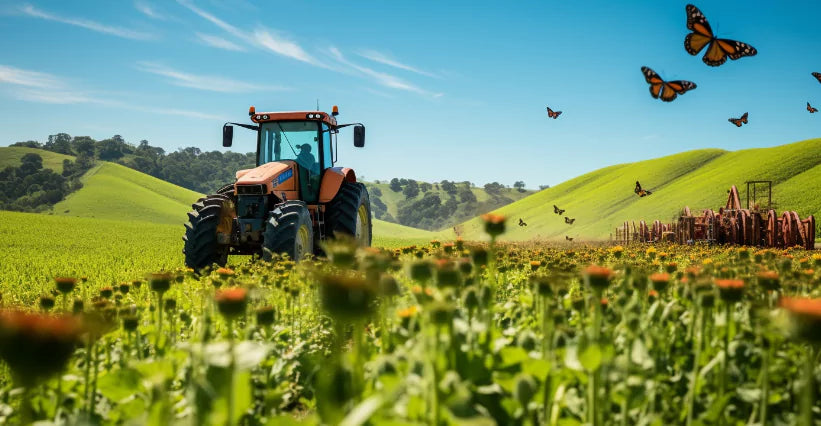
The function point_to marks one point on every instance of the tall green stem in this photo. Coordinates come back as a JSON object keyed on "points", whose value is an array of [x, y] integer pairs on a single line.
{"points": [[807, 400], [693, 394]]}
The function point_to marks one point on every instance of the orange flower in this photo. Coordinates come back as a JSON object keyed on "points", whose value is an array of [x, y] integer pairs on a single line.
{"points": [[231, 302], [597, 277], [494, 224], [225, 273], [730, 290], [807, 316]]}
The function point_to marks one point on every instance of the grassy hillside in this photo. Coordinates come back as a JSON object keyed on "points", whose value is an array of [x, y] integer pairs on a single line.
{"points": [[116, 192], [11, 155], [603, 199]]}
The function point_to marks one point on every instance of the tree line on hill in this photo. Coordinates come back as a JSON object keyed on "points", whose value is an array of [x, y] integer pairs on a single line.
{"points": [[425, 205], [31, 188], [439, 205], [192, 168]]}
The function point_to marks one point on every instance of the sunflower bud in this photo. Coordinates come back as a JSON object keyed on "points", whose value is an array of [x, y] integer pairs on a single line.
{"points": [[231, 302]]}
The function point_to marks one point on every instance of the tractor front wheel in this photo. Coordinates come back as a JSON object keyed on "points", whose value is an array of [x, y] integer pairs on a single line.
{"points": [[350, 213], [289, 230], [201, 248]]}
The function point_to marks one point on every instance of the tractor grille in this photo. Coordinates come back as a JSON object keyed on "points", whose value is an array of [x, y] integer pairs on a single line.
{"points": [[251, 189]]}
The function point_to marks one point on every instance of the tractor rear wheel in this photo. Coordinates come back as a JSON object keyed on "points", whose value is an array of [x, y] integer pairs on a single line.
{"points": [[201, 248], [288, 230], [350, 213]]}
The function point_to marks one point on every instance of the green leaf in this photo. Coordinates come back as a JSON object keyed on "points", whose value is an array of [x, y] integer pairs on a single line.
{"points": [[640, 356], [512, 355], [538, 368], [363, 412], [591, 357], [120, 384]]}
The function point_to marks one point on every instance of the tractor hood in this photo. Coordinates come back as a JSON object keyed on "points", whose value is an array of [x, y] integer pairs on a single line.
{"points": [[273, 175]]}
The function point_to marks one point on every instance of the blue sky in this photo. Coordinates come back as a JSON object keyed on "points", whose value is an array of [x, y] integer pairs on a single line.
{"points": [[447, 90]]}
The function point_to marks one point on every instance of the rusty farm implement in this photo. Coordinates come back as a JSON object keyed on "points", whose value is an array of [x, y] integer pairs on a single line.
{"points": [[731, 224]]}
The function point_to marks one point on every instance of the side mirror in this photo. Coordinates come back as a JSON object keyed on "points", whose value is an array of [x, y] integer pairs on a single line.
{"points": [[227, 135], [359, 136]]}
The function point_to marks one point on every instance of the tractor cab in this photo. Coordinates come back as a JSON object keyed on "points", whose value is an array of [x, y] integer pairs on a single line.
{"points": [[293, 199]]}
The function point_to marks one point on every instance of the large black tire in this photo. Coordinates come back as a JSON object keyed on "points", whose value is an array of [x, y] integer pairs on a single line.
{"points": [[349, 213], [201, 248], [288, 230]]}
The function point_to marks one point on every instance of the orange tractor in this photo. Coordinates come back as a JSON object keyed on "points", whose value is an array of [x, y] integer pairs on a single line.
{"points": [[294, 199]]}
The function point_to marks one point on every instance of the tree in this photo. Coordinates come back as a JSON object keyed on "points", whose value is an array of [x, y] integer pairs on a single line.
{"points": [[28, 144], [543, 187], [375, 190], [110, 149], [519, 185], [425, 187], [467, 196], [31, 163], [60, 143], [494, 188], [411, 189], [83, 146], [449, 187], [395, 185]]}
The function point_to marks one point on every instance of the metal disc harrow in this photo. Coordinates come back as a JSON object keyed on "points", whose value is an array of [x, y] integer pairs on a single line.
{"points": [[731, 224]]}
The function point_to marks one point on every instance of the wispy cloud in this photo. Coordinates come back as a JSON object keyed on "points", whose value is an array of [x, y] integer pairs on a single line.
{"points": [[39, 87], [87, 24], [262, 38], [387, 60], [219, 42], [21, 77], [284, 47], [203, 82], [383, 79], [148, 10]]}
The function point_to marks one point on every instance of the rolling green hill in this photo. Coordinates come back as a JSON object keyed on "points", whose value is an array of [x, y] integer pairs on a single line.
{"points": [[11, 155], [112, 191], [603, 199]]}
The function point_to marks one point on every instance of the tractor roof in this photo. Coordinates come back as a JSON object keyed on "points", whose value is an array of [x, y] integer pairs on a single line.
{"points": [[263, 117]]}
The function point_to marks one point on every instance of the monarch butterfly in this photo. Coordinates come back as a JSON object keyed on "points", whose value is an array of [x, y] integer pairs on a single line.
{"points": [[557, 210], [738, 121], [641, 192], [718, 49], [568, 238], [667, 90], [553, 114], [817, 75], [521, 222], [811, 109], [569, 220]]}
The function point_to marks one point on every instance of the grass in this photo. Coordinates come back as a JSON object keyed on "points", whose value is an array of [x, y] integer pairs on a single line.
{"points": [[115, 192], [10, 156], [38, 247], [603, 199]]}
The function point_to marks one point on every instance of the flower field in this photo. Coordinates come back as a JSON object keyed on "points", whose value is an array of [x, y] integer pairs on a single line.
{"points": [[437, 333]]}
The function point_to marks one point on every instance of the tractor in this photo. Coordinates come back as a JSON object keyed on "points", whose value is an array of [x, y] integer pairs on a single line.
{"points": [[293, 200]]}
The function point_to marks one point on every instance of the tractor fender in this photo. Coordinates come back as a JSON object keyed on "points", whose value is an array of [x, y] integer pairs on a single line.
{"points": [[332, 180]]}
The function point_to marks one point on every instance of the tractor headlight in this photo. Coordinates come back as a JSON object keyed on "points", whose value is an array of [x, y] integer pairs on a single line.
{"points": [[258, 117], [264, 117]]}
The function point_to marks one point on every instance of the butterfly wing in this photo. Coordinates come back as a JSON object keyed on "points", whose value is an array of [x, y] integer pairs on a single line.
{"points": [[555, 209], [701, 34], [557, 114], [722, 48], [655, 81], [736, 121], [673, 88], [811, 109], [561, 211], [744, 118], [817, 75]]}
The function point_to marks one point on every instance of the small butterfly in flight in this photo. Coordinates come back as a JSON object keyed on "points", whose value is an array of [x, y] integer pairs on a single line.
{"points": [[641, 192], [718, 49], [557, 210], [738, 121], [521, 222], [568, 238], [811, 109], [817, 75], [553, 114], [666, 90], [568, 220]]}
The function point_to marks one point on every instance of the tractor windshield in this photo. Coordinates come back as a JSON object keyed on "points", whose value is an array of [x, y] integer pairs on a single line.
{"points": [[290, 140]]}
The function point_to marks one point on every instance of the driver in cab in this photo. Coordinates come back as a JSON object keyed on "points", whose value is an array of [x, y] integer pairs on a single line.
{"points": [[306, 159]]}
